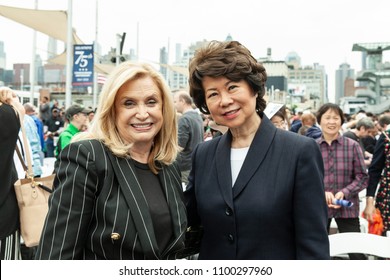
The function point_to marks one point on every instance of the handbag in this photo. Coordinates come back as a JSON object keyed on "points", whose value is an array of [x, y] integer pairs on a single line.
{"points": [[32, 195], [193, 240]]}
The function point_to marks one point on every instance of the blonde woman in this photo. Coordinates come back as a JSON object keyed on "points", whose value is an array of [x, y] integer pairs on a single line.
{"points": [[118, 191]]}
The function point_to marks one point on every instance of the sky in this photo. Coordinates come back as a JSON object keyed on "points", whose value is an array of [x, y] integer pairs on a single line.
{"points": [[318, 31]]}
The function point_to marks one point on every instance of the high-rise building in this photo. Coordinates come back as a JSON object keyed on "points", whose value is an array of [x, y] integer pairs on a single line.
{"points": [[277, 80], [51, 48], [293, 60], [177, 79], [39, 70], [3, 56], [21, 80], [163, 62], [308, 86], [342, 74], [178, 52]]}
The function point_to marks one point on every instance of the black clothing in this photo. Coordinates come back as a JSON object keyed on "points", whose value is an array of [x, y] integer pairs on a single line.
{"points": [[9, 211], [53, 124], [158, 207]]}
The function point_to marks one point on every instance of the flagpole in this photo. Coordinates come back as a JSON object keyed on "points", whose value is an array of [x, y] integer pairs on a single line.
{"points": [[69, 60], [95, 80], [33, 63], [137, 41]]}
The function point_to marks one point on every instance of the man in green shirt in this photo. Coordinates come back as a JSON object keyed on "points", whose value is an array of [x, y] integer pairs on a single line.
{"points": [[77, 118]]}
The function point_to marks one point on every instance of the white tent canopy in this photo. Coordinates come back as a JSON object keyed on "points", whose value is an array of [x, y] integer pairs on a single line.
{"points": [[54, 24], [51, 23]]}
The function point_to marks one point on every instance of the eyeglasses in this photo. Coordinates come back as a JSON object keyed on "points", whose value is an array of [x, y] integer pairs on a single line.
{"points": [[279, 124]]}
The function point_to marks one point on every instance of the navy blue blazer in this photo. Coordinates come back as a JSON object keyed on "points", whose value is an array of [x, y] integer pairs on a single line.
{"points": [[96, 213], [276, 208]]}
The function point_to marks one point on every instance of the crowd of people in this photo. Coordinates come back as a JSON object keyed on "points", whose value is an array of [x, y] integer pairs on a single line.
{"points": [[134, 175]]}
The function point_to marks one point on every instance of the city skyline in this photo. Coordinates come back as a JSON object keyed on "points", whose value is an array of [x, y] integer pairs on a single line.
{"points": [[321, 32]]}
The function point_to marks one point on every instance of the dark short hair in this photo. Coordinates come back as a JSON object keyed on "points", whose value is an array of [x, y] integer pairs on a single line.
{"points": [[329, 106], [384, 120], [75, 109], [226, 59]]}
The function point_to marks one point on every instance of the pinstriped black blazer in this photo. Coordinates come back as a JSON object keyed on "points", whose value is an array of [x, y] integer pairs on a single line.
{"points": [[89, 205]]}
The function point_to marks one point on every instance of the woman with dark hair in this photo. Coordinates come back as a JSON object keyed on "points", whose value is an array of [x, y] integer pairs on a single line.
{"points": [[257, 191], [279, 119], [345, 171]]}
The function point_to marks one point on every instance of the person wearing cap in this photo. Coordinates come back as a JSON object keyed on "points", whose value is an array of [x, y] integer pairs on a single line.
{"points": [[54, 126], [77, 117]]}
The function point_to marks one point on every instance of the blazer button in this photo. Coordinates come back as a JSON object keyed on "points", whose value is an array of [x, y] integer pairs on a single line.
{"points": [[228, 211], [231, 238], [115, 236]]}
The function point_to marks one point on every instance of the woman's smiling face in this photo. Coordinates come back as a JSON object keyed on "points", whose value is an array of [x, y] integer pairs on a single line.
{"points": [[138, 107], [230, 103]]}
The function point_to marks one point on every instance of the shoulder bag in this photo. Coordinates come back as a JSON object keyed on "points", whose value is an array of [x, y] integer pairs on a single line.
{"points": [[32, 195]]}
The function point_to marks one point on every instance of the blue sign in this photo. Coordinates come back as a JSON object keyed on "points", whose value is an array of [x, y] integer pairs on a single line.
{"points": [[83, 65]]}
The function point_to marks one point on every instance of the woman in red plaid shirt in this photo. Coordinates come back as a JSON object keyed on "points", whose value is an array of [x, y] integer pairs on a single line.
{"points": [[345, 171]]}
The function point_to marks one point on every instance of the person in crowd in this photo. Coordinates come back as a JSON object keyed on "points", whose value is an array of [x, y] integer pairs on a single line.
{"points": [[11, 115], [30, 110], [364, 127], [351, 120], [77, 118], [308, 118], [91, 114], [34, 149], [257, 191], [313, 132], [207, 134], [34, 143], [378, 189], [309, 126], [345, 170], [303, 129], [54, 124], [381, 125], [288, 117], [217, 129], [296, 122], [55, 105], [190, 131], [309, 121], [279, 119], [44, 109], [118, 192]]}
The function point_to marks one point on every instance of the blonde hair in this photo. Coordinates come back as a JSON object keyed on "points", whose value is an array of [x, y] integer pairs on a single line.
{"points": [[103, 127]]}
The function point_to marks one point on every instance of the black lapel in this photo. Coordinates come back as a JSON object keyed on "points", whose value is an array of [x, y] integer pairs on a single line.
{"points": [[171, 184], [224, 173], [125, 173], [256, 154]]}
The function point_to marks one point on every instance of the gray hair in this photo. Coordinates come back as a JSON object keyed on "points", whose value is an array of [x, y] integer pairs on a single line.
{"points": [[365, 122]]}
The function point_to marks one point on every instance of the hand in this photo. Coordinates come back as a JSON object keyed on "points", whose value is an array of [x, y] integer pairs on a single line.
{"points": [[9, 97], [329, 197], [369, 210], [6, 95]]}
